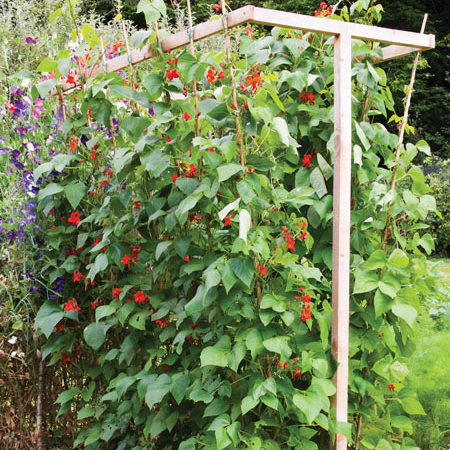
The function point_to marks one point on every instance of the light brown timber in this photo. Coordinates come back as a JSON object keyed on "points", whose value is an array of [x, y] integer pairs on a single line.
{"points": [[341, 225]]}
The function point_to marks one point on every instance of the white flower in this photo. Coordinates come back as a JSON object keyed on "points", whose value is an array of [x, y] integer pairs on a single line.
{"points": [[26, 82], [13, 354], [72, 45], [13, 340]]}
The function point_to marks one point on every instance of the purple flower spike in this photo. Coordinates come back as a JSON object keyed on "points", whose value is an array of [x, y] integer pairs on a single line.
{"points": [[15, 91], [30, 40]]}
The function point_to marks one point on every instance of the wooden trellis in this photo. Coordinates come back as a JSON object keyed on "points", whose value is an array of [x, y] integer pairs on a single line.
{"points": [[401, 43]]}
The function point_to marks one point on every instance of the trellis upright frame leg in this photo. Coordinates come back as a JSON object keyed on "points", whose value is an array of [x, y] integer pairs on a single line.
{"points": [[341, 225]]}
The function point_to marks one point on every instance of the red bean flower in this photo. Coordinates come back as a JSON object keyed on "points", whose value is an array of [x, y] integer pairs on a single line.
{"points": [[77, 276], [71, 305], [307, 161], [307, 97], [116, 292], [171, 74], [262, 270], [186, 116], [73, 144], [126, 260], [391, 387], [192, 169], [74, 218], [140, 297]]}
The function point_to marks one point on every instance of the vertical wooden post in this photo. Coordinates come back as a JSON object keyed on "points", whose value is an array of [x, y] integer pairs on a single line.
{"points": [[341, 224]]}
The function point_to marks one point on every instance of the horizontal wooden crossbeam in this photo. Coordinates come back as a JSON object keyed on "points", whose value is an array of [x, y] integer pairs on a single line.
{"points": [[334, 27], [404, 42]]}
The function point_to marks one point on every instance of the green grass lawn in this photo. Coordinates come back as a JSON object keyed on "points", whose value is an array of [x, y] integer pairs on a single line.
{"points": [[445, 269], [430, 369]]}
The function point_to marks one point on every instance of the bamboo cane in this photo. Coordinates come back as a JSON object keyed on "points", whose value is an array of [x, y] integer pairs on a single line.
{"points": [[194, 83], [402, 133], [233, 84]]}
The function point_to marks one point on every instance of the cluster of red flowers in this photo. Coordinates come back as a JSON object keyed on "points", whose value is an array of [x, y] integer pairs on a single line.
{"points": [[227, 220], [71, 305], [126, 260], [116, 292], [114, 49], [74, 218], [306, 308], [186, 116], [69, 358], [391, 387], [290, 240], [140, 298], [161, 323], [262, 270], [212, 74], [324, 10], [93, 152], [96, 303], [77, 276], [281, 365], [73, 144], [296, 374], [71, 77], [108, 172], [171, 61], [171, 74], [307, 161], [217, 7], [254, 81], [307, 97], [304, 234], [249, 31], [191, 172]]}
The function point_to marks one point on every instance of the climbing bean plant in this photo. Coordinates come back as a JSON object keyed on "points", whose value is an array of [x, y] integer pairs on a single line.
{"points": [[195, 303]]}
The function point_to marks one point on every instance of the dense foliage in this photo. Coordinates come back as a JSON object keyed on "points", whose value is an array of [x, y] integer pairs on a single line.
{"points": [[438, 178], [183, 278], [430, 112]]}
